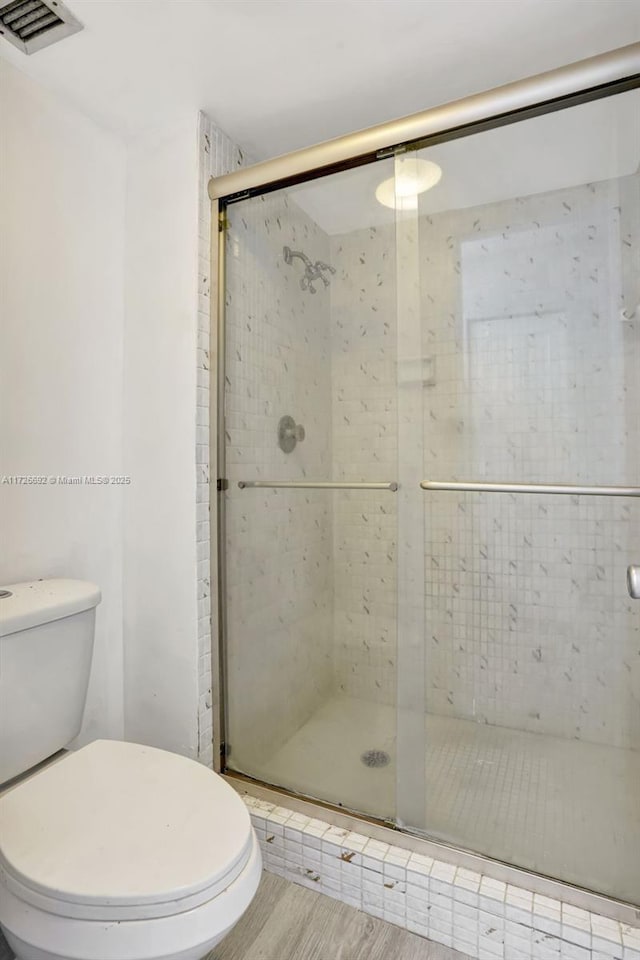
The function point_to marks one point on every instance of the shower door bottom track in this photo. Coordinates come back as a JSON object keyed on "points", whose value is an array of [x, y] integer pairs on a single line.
{"points": [[387, 832]]}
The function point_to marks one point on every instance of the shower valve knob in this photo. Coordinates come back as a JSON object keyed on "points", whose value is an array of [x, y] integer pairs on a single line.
{"points": [[633, 581], [289, 434]]}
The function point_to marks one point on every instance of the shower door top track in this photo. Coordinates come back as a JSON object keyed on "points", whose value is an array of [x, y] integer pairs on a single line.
{"points": [[575, 83]]}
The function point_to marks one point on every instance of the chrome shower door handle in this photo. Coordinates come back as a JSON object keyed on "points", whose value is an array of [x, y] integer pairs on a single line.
{"points": [[633, 581]]}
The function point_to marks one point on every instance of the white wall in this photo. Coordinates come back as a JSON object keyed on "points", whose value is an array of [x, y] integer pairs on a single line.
{"points": [[62, 196], [161, 650], [99, 267]]}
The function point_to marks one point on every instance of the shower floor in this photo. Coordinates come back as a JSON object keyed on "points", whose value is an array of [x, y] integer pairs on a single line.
{"points": [[563, 808]]}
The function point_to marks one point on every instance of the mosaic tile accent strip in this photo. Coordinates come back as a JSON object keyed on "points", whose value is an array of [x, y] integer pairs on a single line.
{"points": [[479, 916], [217, 155]]}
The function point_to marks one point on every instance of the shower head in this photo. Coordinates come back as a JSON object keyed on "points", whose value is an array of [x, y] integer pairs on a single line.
{"points": [[312, 271]]}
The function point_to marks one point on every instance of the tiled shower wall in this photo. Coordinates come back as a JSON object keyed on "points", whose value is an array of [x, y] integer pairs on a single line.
{"points": [[365, 448], [525, 303], [279, 562], [529, 336]]}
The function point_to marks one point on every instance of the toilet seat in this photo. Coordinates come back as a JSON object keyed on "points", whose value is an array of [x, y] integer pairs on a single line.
{"points": [[120, 831], [35, 934]]}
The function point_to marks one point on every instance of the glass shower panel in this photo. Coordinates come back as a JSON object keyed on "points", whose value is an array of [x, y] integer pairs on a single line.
{"points": [[532, 722], [311, 509], [530, 293]]}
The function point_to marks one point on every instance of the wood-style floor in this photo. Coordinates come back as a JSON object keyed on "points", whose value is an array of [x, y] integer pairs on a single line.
{"points": [[289, 922]]}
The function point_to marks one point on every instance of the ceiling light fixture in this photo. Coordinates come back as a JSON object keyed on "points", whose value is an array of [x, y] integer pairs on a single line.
{"points": [[412, 177]]}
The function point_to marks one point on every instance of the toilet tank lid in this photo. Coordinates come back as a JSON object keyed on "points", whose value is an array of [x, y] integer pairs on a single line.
{"points": [[42, 601]]}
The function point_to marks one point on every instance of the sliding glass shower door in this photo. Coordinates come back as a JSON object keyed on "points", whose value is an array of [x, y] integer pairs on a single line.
{"points": [[311, 509], [529, 294], [432, 428]]}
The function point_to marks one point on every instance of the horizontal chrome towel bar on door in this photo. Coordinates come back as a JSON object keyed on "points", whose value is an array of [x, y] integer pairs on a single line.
{"points": [[317, 485], [567, 488]]}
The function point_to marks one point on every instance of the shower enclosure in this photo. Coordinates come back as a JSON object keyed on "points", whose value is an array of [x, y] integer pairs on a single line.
{"points": [[429, 463]]}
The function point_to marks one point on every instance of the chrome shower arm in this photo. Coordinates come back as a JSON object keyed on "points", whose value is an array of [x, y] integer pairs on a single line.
{"points": [[289, 254]]}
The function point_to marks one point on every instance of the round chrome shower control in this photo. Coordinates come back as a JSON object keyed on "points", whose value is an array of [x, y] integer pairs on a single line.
{"points": [[633, 581], [289, 434]]}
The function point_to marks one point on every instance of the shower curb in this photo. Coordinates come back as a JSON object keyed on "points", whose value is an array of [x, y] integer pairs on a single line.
{"points": [[475, 914]]}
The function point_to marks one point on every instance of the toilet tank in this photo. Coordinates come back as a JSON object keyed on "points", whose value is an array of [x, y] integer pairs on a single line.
{"points": [[46, 644]]}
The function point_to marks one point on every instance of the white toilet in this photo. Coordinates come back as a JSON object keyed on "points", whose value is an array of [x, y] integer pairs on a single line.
{"points": [[116, 851]]}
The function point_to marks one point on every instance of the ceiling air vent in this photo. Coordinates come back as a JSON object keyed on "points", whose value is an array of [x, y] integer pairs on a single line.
{"points": [[31, 25]]}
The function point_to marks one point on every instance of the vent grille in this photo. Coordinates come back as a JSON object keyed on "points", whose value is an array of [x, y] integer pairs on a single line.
{"points": [[33, 24], [27, 18]]}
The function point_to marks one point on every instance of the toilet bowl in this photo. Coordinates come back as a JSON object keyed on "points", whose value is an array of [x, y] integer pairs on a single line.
{"points": [[117, 851], [123, 852]]}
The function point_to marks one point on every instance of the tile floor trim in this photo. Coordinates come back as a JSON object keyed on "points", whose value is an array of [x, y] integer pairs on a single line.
{"points": [[496, 869], [453, 905]]}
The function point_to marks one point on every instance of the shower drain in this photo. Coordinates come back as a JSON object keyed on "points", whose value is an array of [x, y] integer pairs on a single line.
{"points": [[375, 758]]}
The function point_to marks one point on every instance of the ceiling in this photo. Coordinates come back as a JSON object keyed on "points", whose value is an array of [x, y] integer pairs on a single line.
{"points": [[282, 74]]}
